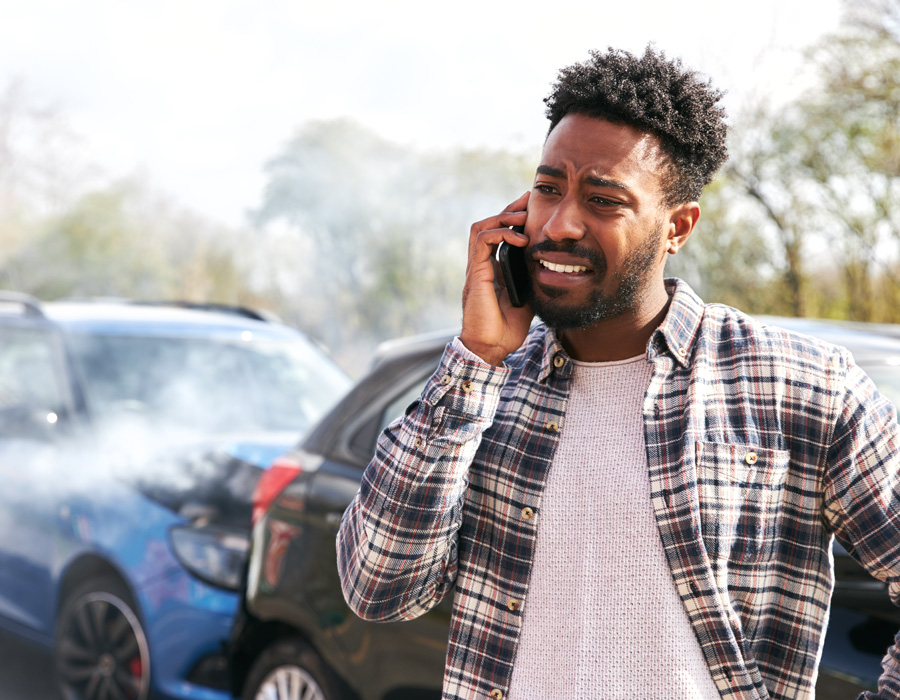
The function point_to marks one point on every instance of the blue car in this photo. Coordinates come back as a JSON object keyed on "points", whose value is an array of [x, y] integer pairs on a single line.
{"points": [[132, 439]]}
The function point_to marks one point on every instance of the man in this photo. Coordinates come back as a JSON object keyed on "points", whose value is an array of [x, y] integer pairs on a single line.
{"points": [[635, 499]]}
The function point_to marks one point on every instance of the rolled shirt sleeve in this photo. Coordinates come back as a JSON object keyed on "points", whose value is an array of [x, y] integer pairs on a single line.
{"points": [[397, 542]]}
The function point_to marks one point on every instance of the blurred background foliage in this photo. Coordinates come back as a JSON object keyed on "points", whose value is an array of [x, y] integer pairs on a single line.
{"points": [[357, 239]]}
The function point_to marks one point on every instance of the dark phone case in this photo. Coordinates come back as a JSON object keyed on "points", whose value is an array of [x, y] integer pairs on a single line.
{"points": [[515, 272]]}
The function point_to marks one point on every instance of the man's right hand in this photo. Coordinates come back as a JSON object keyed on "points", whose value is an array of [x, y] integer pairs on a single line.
{"points": [[492, 327]]}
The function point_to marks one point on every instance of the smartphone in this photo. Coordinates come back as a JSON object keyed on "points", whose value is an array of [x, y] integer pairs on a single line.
{"points": [[515, 271]]}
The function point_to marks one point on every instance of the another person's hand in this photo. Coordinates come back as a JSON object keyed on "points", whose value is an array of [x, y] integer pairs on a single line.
{"points": [[492, 327]]}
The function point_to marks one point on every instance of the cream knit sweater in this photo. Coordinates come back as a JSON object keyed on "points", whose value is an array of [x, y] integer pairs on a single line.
{"points": [[602, 618]]}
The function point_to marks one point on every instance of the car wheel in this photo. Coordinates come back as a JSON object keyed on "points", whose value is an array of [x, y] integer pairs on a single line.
{"points": [[101, 649], [289, 670]]}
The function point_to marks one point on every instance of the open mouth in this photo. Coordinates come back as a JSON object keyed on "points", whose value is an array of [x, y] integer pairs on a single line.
{"points": [[566, 269]]}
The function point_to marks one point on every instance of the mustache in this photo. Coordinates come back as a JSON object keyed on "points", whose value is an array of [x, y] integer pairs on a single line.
{"points": [[596, 259]]}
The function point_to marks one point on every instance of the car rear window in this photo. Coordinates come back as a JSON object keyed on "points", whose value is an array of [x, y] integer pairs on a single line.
{"points": [[887, 379], [208, 385]]}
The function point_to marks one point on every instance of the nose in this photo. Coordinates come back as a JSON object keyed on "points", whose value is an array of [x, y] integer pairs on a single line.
{"points": [[565, 222]]}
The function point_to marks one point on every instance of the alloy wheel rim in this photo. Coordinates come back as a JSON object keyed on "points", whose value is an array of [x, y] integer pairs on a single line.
{"points": [[102, 651], [289, 683]]}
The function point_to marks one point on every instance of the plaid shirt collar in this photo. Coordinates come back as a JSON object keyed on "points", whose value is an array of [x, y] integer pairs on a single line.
{"points": [[678, 332], [676, 335]]}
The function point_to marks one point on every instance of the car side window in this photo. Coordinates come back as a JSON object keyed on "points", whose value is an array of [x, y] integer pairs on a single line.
{"points": [[387, 407], [29, 375], [396, 408]]}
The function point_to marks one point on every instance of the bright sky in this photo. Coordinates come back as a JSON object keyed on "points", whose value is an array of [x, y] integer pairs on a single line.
{"points": [[198, 94]]}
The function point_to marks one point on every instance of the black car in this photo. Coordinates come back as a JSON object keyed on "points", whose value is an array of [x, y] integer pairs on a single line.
{"points": [[296, 637]]}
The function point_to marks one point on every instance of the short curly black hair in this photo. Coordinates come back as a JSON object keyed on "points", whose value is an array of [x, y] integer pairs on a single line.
{"points": [[653, 94]]}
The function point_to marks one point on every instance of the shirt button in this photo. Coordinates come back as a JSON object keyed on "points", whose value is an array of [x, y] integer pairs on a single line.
{"points": [[513, 604], [751, 458], [682, 352], [552, 426], [467, 387], [418, 442], [527, 514], [559, 361], [496, 694], [445, 380]]}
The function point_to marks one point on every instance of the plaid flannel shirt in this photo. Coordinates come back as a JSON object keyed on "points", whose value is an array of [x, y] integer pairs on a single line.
{"points": [[761, 445]]}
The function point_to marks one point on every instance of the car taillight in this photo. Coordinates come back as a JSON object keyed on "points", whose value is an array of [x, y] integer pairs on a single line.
{"points": [[272, 482]]}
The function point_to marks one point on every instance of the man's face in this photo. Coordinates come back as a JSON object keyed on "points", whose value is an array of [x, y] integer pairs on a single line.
{"points": [[595, 222]]}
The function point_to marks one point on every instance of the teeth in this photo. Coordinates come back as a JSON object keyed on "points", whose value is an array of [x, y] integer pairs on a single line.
{"points": [[563, 268]]}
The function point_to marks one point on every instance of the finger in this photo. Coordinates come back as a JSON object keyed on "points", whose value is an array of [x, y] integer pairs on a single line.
{"points": [[484, 243], [520, 203], [503, 220], [513, 215], [499, 281], [500, 228]]}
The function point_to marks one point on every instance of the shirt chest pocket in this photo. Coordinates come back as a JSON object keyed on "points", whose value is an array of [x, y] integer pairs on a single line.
{"points": [[742, 491]]}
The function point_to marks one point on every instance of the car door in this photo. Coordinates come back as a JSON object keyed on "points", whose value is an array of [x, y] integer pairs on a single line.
{"points": [[36, 413], [400, 659]]}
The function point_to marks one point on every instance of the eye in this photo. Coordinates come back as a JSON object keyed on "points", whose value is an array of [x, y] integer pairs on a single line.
{"points": [[545, 189], [604, 202]]}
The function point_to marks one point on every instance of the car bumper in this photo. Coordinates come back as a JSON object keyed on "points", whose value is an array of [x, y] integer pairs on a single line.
{"points": [[189, 623]]}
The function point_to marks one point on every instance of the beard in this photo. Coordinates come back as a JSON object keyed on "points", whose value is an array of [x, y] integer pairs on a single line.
{"points": [[631, 281]]}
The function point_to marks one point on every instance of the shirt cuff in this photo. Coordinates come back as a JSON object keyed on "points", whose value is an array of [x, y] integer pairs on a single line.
{"points": [[465, 384], [464, 352]]}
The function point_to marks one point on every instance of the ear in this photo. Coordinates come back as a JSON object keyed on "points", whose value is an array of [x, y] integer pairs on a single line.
{"points": [[681, 220]]}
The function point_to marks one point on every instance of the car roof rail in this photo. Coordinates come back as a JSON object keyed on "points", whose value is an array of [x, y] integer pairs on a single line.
{"points": [[423, 343], [30, 305], [244, 311]]}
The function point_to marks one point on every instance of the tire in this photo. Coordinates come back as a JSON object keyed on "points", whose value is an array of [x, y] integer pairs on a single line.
{"points": [[289, 670], [100, 649]]}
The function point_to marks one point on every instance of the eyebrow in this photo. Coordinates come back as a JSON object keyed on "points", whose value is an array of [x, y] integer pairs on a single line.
{"points": [[550, 171]]}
